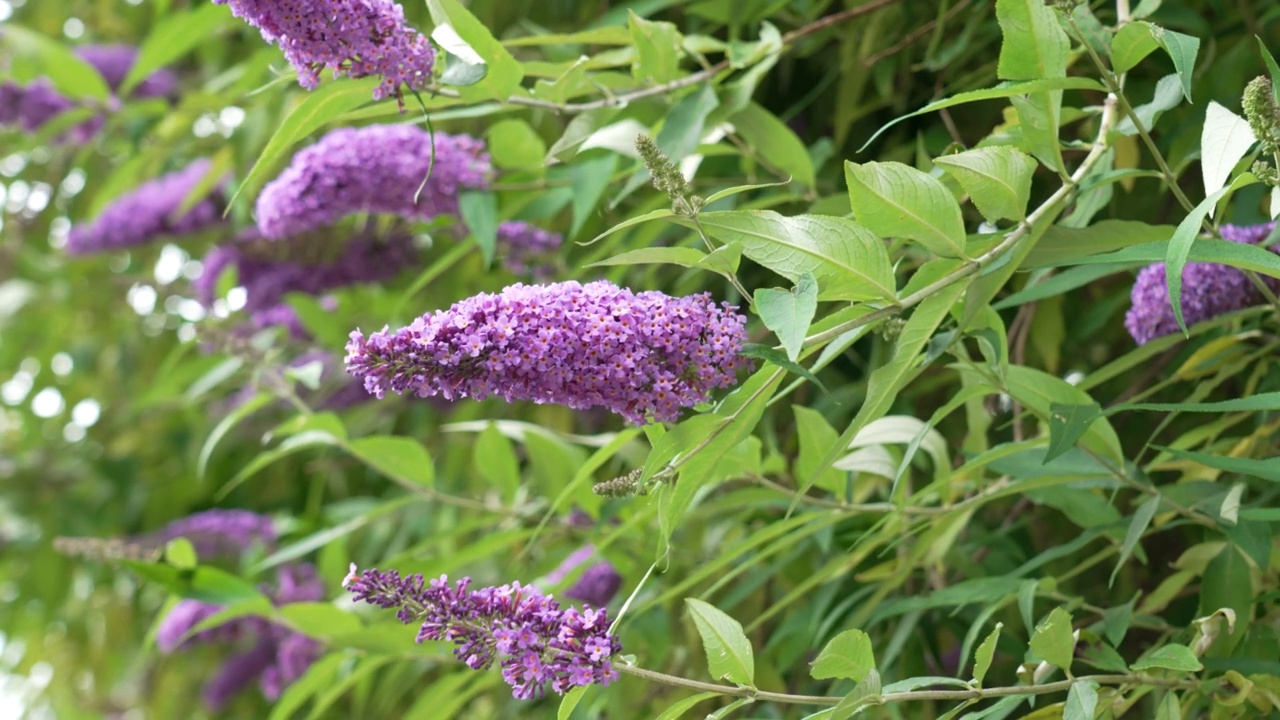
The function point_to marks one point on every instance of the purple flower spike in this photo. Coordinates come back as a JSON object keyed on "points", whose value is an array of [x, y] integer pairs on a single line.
{"points": [[1208, 290], [375, 169], [114, 62], [222, 532], [596, 586], [638, 354], [356, 38], [279, 656], [523, 631], [147, 213], [529, 249]]}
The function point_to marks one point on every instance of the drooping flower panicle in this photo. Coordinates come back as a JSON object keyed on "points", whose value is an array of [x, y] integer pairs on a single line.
{"points": [[31, 106], [148, 212], [637, 354], [535, 642], [596, 586], [375, 169], [528, 249], [1208, 290], [277, 657], [222, 532], [356, 38]]}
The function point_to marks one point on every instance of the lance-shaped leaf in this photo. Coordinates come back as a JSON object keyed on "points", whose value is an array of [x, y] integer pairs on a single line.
{"points": [[848, 261], [896, 200], [729, 654], [997, 179]]}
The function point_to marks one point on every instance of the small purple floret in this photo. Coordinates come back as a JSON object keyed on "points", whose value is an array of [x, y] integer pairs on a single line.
{"points": [[638, 354], [526, 633]]}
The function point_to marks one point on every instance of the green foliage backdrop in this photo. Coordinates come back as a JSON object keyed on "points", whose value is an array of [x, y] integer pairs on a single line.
{"points": [[951, 486]]}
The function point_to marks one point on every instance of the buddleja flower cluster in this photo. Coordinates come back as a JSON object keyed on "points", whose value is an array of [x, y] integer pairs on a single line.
{"points": [[375, 169], [312, 263], [583, 346], [356, 38], [535, 642], [529, 249], [596, 586], [148, 212], [221, 532], [275, 656], [30, 107], [1208, 290]]}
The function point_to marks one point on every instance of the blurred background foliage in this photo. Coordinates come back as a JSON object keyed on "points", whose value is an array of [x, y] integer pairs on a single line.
{"points": [[112, 377]]}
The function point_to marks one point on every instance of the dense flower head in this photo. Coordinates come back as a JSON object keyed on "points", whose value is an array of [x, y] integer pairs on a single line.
{"points": [[31, 106], [375, 169], [311, 263], [576, 345], [278, 655], [596, 586], [357, 38], [526, 633], [1208, 290], [222, 532], [528, 249], [148, 212]]}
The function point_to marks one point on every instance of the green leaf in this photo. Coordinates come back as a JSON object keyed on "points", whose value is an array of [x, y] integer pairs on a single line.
{"points": [[768, 354], [1237, 255], [788, 313], [1104, 657], [35, 55], [1059, 245], [177, 34], [463, 66], [1225, 139], [203, 583], [1033, 45], [1067, 424], [729, 654], [1137, 526], [570, 701], [724, 260], [887, 380], [225, 425], [1182, 50], [505, 73], [996, 178], [316, 109], [1166, 97], [1002, 90], [1227, 583], [1132, 43], [319, 619], [1180, 246], [1169, 657], [514, 145], [479, 210], [678, 710], [682, 256], [1082, 701], [319, 675], [577, 132], [848, 656], [1115, 621], [865, 694], [290, 445], [1054, 639], [495, 459], [985, 653], [181, 554], [658, 214], [399, 457], [775, 143], [589, 179], [657, 47], [1273, 69], [849, 262], [1248, 467], [896, 200]]}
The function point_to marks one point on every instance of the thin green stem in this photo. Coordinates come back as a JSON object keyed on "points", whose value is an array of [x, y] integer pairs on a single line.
{"points": [[973, 694]]}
